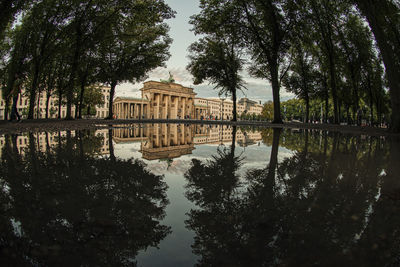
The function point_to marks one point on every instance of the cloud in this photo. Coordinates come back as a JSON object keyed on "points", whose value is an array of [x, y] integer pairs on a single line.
{"points": [[257, 89]]}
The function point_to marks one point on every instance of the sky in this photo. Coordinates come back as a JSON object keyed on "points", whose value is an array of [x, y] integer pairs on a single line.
{"points": [[257, 89]]}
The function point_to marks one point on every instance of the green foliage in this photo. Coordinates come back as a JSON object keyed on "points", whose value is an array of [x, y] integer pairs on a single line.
{"points": [[218, 57], [92, 97], [63, 46]]}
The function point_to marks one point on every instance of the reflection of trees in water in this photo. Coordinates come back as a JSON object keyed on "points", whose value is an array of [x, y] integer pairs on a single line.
{"points": [[214, 181], [69, 207], [327, 206]]}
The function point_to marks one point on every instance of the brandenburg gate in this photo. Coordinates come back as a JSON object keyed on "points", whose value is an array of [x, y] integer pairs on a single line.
{"points": [[160, 100]]}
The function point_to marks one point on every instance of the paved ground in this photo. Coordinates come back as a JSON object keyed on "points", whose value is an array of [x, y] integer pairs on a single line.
{"points": [[59, 125]]}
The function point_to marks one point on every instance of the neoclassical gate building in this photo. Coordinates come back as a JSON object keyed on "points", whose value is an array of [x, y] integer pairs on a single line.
{"points": [[160, 100]]}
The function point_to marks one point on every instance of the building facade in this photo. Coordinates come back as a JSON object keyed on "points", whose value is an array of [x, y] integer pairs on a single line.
{"points": [[160, 100], [102, 110], [215, 109], [41, 102]]}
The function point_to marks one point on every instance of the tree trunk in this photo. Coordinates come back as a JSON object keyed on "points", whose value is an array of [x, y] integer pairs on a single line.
{"points": [[47, 144], [348, 113], [6, 108], [307, 108], [76, 109], [47, 104], [38, 107], [111, 145], [233, 145], [74, 68], [13, 115], [375, 14], [356, 97], [269, 182], [332, 71], [110, 105], [59, 102], [275, 93], [32, 93], [234, 112], [83, 83], [326, 106]]}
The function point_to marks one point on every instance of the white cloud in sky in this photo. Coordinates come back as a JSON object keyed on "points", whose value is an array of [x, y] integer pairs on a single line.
{"points": [[257, 89]]}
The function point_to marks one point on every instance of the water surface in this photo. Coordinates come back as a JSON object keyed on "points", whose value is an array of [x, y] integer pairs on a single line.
{"points": [[184, 195]]}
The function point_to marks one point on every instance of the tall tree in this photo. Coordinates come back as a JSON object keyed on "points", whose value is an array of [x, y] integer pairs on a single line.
{"points": [[268, 26], [323, 15], [42, 26], [16, 68], [87, 19], [134, 44], [218, 57], [384, 20], [216, 61], [356, 56], [302, 76]]}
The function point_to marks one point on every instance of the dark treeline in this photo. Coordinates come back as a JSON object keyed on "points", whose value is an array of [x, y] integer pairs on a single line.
{"points": [[333, 202], [63, 203], [341, 54], [62, 47]]}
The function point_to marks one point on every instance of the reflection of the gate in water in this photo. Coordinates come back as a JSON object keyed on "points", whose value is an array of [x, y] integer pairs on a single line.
{"points": [[159, 140], [168, 141], [135, 133], [174, 140]]}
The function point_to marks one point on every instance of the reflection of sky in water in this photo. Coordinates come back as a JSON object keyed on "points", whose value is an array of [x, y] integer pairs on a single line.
{"points": [[175, 249], [254, 156]]}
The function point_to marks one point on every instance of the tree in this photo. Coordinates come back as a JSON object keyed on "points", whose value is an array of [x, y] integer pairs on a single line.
{"points": [[301, 78], [42, 28], [216, 61], [92, 97], [135, 43], [218, 57], [384, 20], [8, 10], [87, 20], [15, 71], [267, 29], [268, 111], [323, 15]]}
